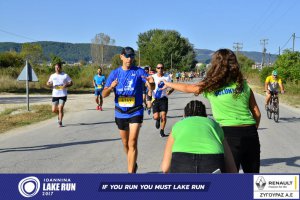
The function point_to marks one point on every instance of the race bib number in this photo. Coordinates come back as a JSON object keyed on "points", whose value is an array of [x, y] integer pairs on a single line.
{"points": [[59, 87], [99, 86], [126, 101]]}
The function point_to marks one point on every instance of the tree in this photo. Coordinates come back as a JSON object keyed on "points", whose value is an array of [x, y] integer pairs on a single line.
{"points": [[10, 59], [98, 47], [288, 65], [116, 61], [33, 52], [244, 62], [56, 60], [158, 45]]}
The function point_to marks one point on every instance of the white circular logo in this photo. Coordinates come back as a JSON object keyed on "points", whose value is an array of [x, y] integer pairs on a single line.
{"points": [[30, 186]]}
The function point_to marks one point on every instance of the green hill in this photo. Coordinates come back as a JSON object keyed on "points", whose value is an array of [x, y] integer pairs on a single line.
{"points": [[69, 52], [204, 55]]}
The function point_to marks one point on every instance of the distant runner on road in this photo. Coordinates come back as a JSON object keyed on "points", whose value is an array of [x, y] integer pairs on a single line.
{"points": [[99, 82], [160, 104], [127, 84], [59, 81]]}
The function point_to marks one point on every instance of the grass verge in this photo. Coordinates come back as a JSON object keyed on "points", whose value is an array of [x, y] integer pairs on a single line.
{"points": [[16, 117]]}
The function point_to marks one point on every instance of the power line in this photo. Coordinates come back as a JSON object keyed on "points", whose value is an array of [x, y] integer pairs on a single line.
{"points": [[271, 25], [17, 35], [266, 15], [281, 47], [287, 42]]}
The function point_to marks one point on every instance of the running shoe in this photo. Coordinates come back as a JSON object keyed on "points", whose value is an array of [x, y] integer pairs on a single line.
{"points": [[162, 133], [100, 108], [60, 124], [157, 124]]}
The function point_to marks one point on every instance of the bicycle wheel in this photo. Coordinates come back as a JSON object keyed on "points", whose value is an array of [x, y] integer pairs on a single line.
{"points": [[269, 113], [276, 114]]}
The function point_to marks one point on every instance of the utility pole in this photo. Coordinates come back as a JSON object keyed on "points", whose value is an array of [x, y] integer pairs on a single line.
{"points": [[237, 46], [264, 42], [294, 37], [102, 55], [269, 58], [139, 58]]}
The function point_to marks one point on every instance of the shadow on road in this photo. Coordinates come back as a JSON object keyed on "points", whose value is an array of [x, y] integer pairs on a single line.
{"points": [[88, 124], [178, 116], [289, 119], [104, 109], [22, 99], [184, 97], [261, 129], [288, 161], [53, 146]]}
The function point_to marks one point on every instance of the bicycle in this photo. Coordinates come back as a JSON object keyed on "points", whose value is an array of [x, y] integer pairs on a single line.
{"points": [[273, 107]]}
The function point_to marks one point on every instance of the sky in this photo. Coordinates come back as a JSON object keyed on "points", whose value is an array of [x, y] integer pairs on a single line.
{"points": [[210, 24]]}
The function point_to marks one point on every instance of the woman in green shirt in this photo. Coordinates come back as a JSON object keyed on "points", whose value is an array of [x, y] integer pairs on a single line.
{"points": [[196, 144], [233, 107]]}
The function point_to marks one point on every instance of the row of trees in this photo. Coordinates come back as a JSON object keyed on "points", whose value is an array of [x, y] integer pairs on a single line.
{"points": [[154, 46], [166, 46], [31, 52], [287, 65]]}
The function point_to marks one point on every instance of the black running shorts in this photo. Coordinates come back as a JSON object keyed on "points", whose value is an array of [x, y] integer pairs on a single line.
{"points": [[123, 123], [160, 105]]}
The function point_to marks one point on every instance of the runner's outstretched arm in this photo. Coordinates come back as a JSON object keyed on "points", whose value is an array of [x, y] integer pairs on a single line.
{"points": [[187, 88]]}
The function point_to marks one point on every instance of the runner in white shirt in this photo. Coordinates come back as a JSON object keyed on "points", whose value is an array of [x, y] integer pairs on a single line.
{"points": [[59, 81], [160, 104]]}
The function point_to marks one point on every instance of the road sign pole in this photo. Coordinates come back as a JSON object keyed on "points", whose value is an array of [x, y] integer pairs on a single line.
{"points": [[27, 86]]}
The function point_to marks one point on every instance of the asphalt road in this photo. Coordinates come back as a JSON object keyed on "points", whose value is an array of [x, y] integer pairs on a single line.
{"points": [[90, 142]]}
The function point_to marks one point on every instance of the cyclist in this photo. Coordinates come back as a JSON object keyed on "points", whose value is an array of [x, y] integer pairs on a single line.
{"points": [[271, 86], [99, 82]]}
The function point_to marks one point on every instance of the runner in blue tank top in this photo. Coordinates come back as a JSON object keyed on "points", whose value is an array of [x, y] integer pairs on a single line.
{"points": [[99, 82], [127, 84]]}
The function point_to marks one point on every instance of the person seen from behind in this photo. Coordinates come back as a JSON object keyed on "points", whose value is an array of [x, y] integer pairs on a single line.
{"points": [[196, 144], [233, 106]]}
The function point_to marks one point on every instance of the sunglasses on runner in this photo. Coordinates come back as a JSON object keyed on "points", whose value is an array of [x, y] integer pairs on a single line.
{"points": [[129, 55]]}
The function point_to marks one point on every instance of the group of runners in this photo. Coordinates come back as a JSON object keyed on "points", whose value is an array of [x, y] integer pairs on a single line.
{"points": [[230, 142]]}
